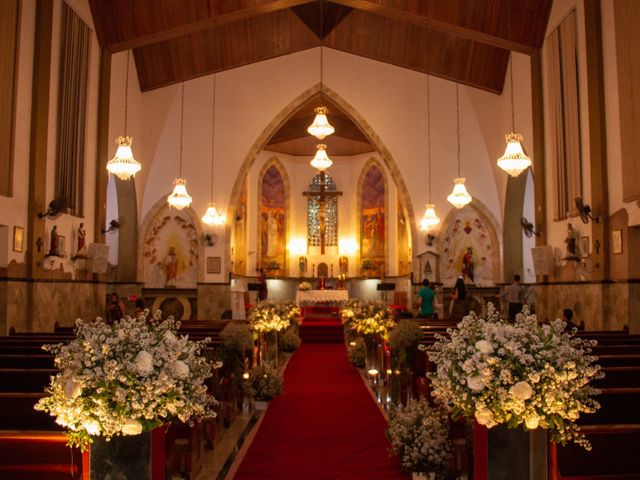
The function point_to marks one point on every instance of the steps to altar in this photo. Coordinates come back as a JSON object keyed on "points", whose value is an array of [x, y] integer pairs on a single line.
{"points": [[321, 324]]}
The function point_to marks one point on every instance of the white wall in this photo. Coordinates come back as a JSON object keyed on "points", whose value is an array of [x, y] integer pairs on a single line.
{"points": [[392, 101]]}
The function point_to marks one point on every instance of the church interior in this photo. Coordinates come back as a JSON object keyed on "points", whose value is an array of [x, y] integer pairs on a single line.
{"points": [[201, 157]]}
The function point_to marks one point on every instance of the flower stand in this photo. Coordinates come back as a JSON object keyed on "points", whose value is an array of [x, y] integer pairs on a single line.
{"points": [[123, 457], [501, 453]]}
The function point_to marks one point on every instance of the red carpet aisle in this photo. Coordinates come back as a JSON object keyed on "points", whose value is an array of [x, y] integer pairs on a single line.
{"points": [[324, 426]]}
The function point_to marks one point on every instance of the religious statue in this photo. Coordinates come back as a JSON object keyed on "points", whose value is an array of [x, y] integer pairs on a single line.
{"points": [[467, 265], [53, 245], [82, 234], [302, 264], [343, 264], [572, 242], [171, 267]]}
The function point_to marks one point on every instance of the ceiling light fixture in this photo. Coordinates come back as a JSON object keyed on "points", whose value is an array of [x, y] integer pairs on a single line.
{"points": [[179, 198], [321, 161], [211, 217], [514, 160], [321, 128], [429, 218], [459, 197]]}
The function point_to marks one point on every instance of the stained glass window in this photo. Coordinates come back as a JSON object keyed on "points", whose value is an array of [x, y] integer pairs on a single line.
{"points": [[313, 214]]}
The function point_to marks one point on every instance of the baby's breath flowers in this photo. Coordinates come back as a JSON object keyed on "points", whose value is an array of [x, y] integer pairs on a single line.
{"points": [[523, 373]]}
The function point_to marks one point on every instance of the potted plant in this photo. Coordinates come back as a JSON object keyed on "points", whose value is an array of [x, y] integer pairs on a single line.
{"points": [[263, 385], [118, 382], [419, 436]]}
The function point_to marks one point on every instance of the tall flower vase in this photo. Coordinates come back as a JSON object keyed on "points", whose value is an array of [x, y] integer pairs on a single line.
{"points": [[501, 453], [123, 457], [372, 360]]}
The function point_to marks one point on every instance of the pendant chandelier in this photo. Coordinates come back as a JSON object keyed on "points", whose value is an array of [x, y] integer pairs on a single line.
{"points": [[321, 128], [123, 165], [211, 217], [514, 161], [429, 218], [321, 161], [179, 198], [459, 197]]}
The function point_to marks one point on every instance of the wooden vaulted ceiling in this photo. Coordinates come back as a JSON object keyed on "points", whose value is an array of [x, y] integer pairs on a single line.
{"points": [[467, 41]]}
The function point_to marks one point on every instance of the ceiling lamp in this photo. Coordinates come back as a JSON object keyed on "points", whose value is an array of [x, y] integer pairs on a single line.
{"points": [[430, 218], [211, 217], [123, 165], [459, 197], [514, 161], [179, 198], [320, 128], [321, 161]]}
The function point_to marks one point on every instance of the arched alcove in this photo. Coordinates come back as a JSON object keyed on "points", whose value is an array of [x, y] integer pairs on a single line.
{"points": [[285, 114]]}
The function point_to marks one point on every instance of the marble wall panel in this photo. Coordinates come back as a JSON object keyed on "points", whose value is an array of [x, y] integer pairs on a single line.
{"points": [[213, 300]]}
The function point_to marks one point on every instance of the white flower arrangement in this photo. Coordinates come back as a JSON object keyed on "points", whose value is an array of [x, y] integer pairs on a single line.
{"points": [[125, 378], [523, 373], [304, 286], [268, 316], [419, 436], [368, 318]]}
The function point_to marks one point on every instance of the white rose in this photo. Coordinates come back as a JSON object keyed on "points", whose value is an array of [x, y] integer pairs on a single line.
{"points": [[484, 346], [484, 417], [521, 390], [532, 422], [144, 363], [131, 427], [72, 389], [180, 369], [474, 382], [91, 426]]}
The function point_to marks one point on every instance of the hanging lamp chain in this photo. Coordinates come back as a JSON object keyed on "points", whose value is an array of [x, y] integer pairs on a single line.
{"points": [[213, 134], [513, 111], [181, 128], [321, 49], [429, 134], [458, 117]]}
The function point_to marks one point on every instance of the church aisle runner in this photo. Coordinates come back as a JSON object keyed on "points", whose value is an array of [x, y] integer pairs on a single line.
{"points": [[325, 425]]}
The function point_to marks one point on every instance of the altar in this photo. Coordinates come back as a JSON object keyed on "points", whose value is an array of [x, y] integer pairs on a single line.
{"points": [[321, 296]]}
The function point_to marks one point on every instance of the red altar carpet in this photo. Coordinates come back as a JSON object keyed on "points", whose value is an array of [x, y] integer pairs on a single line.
{"points": [[325, 425]]}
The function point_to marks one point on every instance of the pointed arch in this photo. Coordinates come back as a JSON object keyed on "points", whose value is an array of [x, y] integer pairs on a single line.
{"points": [[273, 216], [373, 217], [282, 117], [157, 213], [472, 226]]}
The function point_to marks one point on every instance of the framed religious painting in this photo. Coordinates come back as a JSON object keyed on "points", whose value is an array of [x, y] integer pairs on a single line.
{"points": [[18, 239], [213, 264], [584, 247], [616, 241]]}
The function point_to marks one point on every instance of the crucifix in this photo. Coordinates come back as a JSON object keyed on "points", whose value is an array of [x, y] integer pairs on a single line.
{"points": [[323, 195]]}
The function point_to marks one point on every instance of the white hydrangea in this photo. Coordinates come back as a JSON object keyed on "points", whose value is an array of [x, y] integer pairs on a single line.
{"points": [[521, 373], [126, 378]]}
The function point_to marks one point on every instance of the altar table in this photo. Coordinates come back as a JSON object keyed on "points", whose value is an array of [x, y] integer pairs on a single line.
{"points": [[319, 296]]}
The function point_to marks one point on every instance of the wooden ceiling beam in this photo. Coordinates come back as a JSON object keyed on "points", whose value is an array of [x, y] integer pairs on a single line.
{"points": [[527, 18], [147, 33]]}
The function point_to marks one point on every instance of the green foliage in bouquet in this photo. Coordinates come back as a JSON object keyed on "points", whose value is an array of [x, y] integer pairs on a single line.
{"points": [[404, 340], [290, 340], [358, 353]]}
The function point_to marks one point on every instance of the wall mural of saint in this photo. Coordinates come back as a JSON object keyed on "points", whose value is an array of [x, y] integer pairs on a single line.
{"points": [[273, 223], [170, 251], [372, 223]]}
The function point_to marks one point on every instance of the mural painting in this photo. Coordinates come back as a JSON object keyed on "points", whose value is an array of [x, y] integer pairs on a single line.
{"points": [[239, 245], [272, 223], [170, 251], [467, 249], [372, 223], [404, 255]]}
